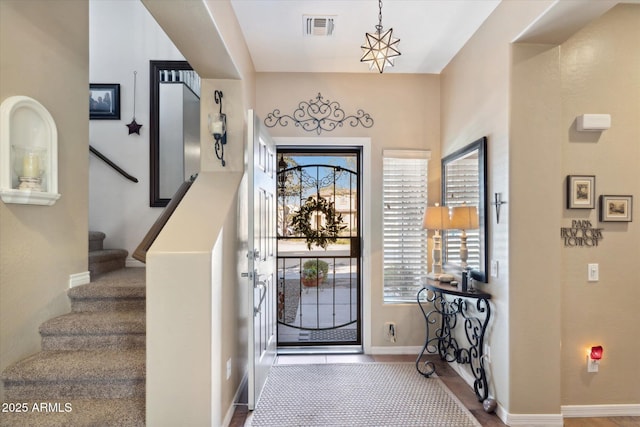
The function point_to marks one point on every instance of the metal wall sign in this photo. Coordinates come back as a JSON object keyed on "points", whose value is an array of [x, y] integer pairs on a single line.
{"points": [[581, 233], [319, 115]]}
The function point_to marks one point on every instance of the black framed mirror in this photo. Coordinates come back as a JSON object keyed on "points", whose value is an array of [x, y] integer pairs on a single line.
{"points": [[464, 182], [174, 128]]}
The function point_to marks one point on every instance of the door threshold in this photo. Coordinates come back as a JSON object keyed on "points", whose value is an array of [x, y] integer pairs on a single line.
{"points": [[333, 349]]}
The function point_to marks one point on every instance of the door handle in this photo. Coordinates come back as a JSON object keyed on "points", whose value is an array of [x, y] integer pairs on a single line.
{"points": [[263, 294]]}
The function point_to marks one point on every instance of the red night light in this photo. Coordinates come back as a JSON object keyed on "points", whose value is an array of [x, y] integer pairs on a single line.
{"points": [[596, 353]]}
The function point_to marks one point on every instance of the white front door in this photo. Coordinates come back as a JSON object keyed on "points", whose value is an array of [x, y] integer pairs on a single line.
{"points": [[262, 255]]}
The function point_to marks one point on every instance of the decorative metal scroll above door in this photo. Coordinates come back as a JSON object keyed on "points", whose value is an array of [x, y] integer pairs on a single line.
{"points": [[319, 115]]}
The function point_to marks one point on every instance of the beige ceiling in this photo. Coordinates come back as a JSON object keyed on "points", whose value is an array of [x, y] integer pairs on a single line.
{"points": [[431, 32]]}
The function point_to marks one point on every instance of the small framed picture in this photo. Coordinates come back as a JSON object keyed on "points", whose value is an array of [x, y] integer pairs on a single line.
{"points": [[104, 101], [581, 190], [616, 208]]}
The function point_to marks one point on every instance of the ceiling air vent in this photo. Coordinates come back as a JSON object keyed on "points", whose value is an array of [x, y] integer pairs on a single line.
{"points": [[318, 25]]}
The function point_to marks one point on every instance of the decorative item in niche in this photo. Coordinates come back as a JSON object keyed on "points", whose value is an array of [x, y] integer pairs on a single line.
{"points": [[28, 153], [318, 115], [104, 101], [133, 126], [581, 191], [616, 208], [318, 222], [581, 233]]}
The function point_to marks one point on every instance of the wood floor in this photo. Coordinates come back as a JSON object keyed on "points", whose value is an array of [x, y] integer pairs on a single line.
{"points": [[451, 379]]}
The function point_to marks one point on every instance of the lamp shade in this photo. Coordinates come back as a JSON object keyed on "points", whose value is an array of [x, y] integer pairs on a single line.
{"points": [[464, 218], [436, 218]]}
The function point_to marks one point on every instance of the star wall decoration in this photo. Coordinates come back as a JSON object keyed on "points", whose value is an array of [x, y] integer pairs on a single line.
{"points": [[380, 49], [134, 127]]}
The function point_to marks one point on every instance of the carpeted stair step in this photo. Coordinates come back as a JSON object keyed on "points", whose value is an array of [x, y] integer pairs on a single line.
{"points": [[61, 375], [106, 260], [95, 330], [118, 290], [96, 240], [79, 413]]}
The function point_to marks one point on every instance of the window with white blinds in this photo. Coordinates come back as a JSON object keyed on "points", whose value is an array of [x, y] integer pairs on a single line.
{"points": [[404, 240], [463, 179]]}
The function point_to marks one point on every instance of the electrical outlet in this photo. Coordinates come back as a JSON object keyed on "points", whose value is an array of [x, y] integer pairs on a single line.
{"points": [[229, 368], [593, 273], [487, 353], [592, 365], [390, 331]]}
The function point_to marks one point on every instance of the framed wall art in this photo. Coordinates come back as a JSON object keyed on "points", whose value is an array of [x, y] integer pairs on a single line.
{"points": [[104, 101], [616, 208], [581, 190]]}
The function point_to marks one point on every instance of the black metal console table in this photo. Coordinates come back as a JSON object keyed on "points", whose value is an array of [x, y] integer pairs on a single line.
{"points": [[445, 313]]}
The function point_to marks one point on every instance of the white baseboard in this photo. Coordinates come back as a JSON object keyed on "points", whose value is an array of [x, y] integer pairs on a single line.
{"points": [[400, 350], [236, 399], [131, 262], [590, 411], [534, 420], [78, 279]]}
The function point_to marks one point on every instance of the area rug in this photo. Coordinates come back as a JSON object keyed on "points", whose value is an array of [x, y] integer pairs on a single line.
{"points": [[367, 395]]}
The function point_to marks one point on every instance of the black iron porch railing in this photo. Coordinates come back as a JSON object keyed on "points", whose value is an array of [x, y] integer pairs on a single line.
{"points": [[318, 295]]}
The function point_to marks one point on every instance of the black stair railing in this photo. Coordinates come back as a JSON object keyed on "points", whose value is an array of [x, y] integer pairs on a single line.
{"points": [[113, 165]]}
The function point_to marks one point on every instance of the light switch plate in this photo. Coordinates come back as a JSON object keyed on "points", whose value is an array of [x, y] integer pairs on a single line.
{"points": [[494, 268], [593, 273]]}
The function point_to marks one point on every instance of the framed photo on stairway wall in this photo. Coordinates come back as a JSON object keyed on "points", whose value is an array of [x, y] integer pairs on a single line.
{"points": [[104, 101]]}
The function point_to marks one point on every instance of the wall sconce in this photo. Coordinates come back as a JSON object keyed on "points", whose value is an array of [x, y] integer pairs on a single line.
{"points": [[593, 358], [498, 202], [218, 127], [437, 218]]}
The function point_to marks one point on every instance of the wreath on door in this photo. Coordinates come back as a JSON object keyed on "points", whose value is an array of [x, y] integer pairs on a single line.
{"points": [[322, 234]]}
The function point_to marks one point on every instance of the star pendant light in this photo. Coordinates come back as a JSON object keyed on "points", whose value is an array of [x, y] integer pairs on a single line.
{"points": [[380, 47]]}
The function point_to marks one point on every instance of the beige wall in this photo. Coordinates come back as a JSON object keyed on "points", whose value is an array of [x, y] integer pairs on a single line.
{"points": [[405, 110], [192, 323], [534, 253], [475, 103], [525, 98], [44, 54], [600, 68]]}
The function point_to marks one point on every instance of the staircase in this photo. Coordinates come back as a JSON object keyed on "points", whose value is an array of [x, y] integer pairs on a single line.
{"points": [[103, 260], [91, 370]]}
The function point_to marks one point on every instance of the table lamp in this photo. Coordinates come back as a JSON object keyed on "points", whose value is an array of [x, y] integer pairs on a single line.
{"points": [[436, 218], [464, 218]]}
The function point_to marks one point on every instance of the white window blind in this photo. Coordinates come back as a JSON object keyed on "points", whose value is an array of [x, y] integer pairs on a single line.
{"points": [[462, 180], [404, 239]]}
